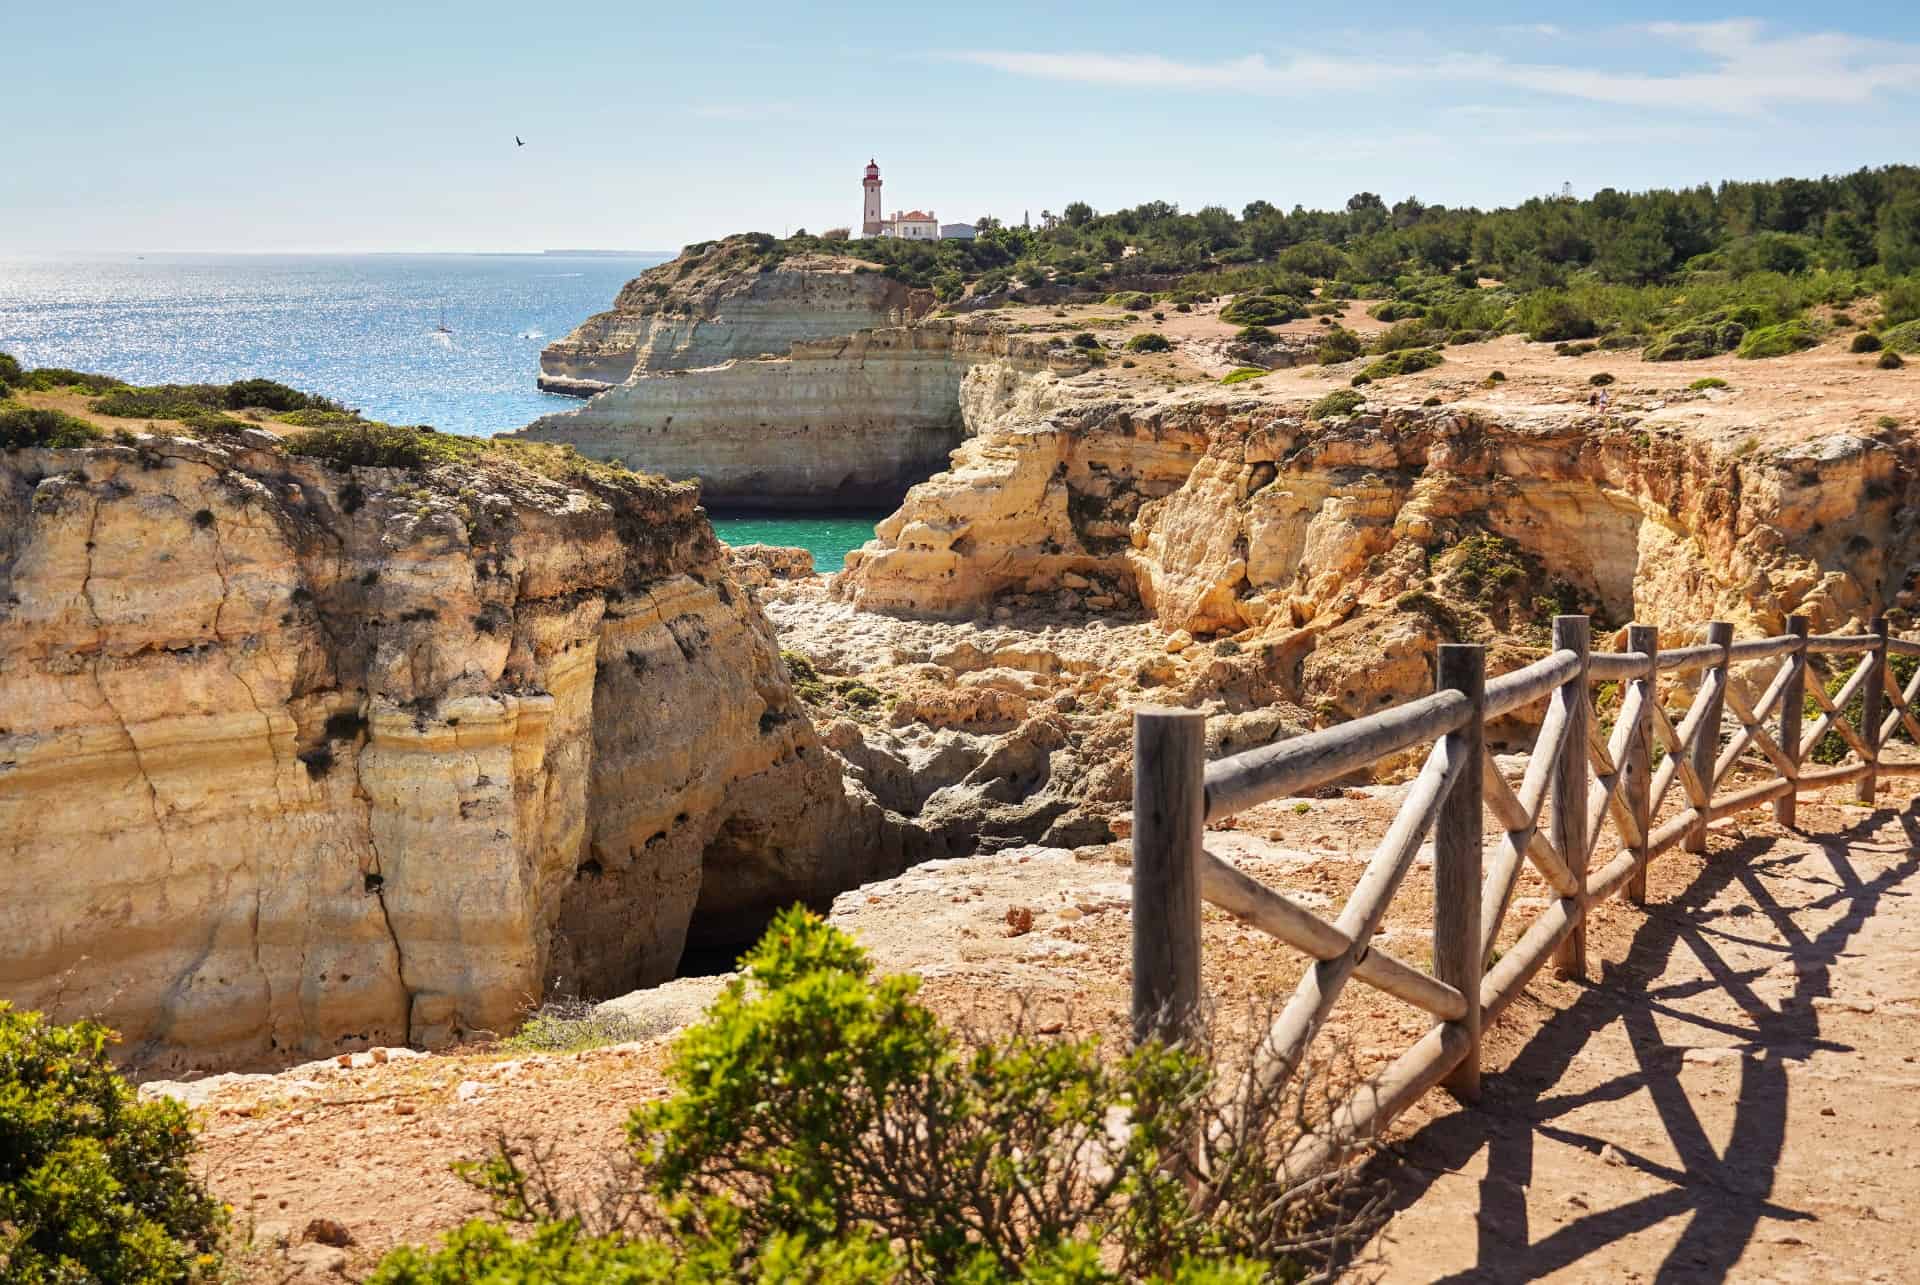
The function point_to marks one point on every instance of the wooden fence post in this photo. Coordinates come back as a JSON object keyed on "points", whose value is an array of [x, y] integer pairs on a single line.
{"points": [[1457, 842], [1792, 706], [1872, 701], [1573, 633], [1169, 819], [1706, 741], [1639, 765]]}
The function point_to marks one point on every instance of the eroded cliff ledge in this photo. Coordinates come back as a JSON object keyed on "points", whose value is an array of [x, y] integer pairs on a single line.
{"points": [[715, 303], [296, 758], [847, 422]]}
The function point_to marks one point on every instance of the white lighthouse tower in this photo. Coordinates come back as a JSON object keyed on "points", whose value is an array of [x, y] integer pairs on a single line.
{"points": [[870, 220]]}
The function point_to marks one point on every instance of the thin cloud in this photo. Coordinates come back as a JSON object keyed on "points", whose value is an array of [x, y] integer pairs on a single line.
{"points": [[1747, 70]]}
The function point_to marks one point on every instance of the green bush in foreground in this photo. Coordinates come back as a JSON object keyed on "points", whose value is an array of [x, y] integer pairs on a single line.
{"points": [[1778, 340], [1148, 342], [94, 1184], [22, 426], [1904, 338], [1340, 402], [826, 1127]]}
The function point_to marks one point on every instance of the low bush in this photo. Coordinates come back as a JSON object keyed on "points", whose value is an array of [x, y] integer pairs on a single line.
{"points": [[1431, 401], [571, 1026], [1865, 342], [826, 1127], [1148, 342], [1890, 360], [1551, 315], [1778, 340], [1496, 377], [1903, 338], [1710, 381], [1254, 335], [27, 426], [375, 445], [1085, 339], [1261, 310], [43, 379], [1340, 402], [95, 1185], [1900, 301], [1600, 380], [1396, 310], [1242, 375], [1403, 362], [1403, 334], [1708, 337], [1337, 345]]}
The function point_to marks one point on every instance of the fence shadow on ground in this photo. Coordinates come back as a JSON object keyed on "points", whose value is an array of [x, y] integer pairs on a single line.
{"points": [[1723, 1194]]}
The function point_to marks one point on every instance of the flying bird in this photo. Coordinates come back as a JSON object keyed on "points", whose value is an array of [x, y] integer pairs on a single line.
{"points": [[518, 141]]}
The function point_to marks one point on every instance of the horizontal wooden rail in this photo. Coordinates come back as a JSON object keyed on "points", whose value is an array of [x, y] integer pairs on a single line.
{"points": [[1275, 771], [1578, 784]]}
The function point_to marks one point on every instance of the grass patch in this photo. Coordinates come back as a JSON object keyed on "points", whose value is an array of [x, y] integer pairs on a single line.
{"points": [[572, 1026], [1242, 375]]}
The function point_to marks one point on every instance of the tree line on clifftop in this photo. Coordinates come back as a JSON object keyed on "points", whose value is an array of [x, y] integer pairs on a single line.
{"points": [[1679, 273]]}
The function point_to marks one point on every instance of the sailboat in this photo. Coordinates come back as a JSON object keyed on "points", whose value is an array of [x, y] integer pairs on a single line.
{"points": [[443, 328]]}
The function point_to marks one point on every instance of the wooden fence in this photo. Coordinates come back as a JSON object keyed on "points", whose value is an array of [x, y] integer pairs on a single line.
{"points": [[1577, 777]]}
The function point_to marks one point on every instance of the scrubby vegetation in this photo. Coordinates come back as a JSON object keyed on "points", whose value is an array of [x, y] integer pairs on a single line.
{"points": [[1679, 273], [24, 426], [1150, 341], [1241, 375], [825, 1126], [1340, 402], [95, 1185]]}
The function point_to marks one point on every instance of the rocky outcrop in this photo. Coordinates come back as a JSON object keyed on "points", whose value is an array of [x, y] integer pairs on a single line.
{"points": [[849, 422], [1374, 537], [719, 301], [296, 759]]}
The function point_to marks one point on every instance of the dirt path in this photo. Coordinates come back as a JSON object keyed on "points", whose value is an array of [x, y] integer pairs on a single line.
{"points": [[1735, 1094]]}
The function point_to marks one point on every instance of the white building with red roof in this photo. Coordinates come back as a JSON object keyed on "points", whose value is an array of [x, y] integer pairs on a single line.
{"points": [[909, 225]]}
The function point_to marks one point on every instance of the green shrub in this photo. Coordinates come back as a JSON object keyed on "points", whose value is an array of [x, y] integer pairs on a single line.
{"points": [[267, 394], [1131, 300], [1600, 380], [10, 371], [1261, 310], [1887, 421], [1183, 307], [1778, 340], [375, 445], [1903, 338], [826, 1127], [1403, 334], [1339, 402], [1085, 339], [1496, 377], [1254, 335], [95, 1185], [24, 426], [571, 1025], [1148, 342], [1890, 360], [1696, 341], [1403, 362], [1242, 375], [1337, 345], [1710, 381], [1864, 342], [1551, 315], [1396, 310], [47, 378], [1432, 401], [1900, 301]]}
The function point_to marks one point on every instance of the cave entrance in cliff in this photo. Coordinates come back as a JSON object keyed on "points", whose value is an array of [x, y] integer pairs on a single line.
{"points": [[709, 959]]}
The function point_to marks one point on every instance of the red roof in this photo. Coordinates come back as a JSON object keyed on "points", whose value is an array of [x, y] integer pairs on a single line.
{"points": [[917, 215]]}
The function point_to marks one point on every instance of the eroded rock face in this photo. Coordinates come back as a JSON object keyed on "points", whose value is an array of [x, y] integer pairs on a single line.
{"points": [[1369, 540], [714, 304], [295, 760], [848, 422]]}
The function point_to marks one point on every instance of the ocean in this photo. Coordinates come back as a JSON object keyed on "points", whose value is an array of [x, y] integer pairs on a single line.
{"points": [[357, 328], [360, 329]]}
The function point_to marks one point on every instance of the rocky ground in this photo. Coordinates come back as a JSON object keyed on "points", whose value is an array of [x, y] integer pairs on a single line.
{"points": [[1678, 1116]]}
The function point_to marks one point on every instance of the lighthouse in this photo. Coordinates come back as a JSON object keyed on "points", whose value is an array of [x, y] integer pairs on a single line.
{"points": [[870, 220]]}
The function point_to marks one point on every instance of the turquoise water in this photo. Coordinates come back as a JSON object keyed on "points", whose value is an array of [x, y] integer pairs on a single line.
{"points": [[828, 536], [357, 328]]}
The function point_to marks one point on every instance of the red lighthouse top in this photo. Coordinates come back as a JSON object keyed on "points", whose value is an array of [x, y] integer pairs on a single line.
{"points": [[873, 171]]}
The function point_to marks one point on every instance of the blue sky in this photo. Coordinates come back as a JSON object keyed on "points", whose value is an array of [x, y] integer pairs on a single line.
{"points": [[349, 126]]}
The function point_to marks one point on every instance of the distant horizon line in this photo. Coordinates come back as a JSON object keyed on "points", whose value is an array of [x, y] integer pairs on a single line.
{"points": [[580, 253]]}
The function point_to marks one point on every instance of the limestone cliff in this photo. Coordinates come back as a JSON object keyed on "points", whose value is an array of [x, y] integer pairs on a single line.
{"points": [[722, 300], [846, 422], [296, 758], [1361, 541]]}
